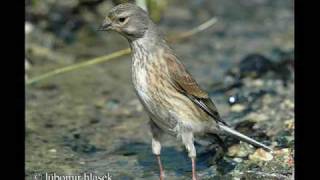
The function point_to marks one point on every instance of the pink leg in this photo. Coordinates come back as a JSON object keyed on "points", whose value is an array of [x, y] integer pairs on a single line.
{"points": [[160, 167], [194, 174]]}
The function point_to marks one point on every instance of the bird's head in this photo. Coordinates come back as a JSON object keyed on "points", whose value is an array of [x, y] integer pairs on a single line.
{"points": [[127, 19]]}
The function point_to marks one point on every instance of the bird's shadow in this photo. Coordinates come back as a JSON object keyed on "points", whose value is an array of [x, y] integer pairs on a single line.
{"points": [[172, 158]]}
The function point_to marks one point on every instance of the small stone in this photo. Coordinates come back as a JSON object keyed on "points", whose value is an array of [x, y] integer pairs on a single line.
{"points": [[237, 108], [26, 64], [233, 150], [125, 112], [236, 99], [261, 155], [281, 152], [112, 104], [274, 143], [100, 103], [53, 150], [232, 100], [289, 123], [257, 83], [28, 27], [288, 104], [238, 150], [138, 106], [267, 99], [257, 117], [286, 155], [238, 160]]}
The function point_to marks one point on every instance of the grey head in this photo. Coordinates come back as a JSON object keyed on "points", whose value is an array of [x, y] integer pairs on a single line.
{"points": [[127, 19]]}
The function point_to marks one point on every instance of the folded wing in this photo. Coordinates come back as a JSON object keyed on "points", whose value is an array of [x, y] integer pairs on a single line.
{"points": [[184, 83]]}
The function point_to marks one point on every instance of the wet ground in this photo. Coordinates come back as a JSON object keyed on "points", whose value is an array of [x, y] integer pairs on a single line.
{"points": [[91, 121]]}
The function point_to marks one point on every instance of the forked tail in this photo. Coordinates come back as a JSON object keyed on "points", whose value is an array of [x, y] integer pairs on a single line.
{"points": [[243, 137]]}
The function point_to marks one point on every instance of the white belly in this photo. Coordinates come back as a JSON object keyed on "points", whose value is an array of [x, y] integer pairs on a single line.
{"points": [[161, 116]]}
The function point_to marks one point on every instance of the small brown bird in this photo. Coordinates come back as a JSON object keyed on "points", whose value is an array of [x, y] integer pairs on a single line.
{"points": [[173, 100]]}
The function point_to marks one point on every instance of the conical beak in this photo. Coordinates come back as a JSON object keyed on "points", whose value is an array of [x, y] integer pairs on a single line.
{"points": [[106, 25]]}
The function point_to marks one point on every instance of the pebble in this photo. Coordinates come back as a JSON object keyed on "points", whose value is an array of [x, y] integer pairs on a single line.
{"points": [[257, 117], [100, 103], [282, 152], [26, 64], [28, 27], [238, 150], [237, 108], [53, 150], [232, 100], [138, 106], [257, 83], [267, 99], [286, 155], [238, 160], [288, 104], [289, 123], [261, 155], [112, 104], [233, 150]]}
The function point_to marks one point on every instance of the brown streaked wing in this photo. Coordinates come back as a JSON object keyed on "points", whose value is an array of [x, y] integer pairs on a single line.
{"points": [[184, 83]]}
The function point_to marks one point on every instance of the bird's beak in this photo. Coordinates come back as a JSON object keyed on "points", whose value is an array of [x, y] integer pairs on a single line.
{"points": [[106, 25]]}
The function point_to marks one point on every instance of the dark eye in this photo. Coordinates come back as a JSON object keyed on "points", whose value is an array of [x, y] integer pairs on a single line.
{"points": [[122, 19]]}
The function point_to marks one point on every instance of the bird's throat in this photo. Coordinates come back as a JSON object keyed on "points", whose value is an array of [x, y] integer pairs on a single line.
{"points": [[150, 42]]}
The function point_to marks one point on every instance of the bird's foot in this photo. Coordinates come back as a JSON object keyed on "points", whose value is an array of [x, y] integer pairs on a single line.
{"points": [[161, 176], [194, 177]]}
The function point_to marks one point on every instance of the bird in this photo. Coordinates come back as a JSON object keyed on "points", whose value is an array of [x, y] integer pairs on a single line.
{"points": [[175, 103]]}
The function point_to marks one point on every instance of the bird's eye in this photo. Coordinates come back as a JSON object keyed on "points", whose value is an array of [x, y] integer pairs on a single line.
{"points": [[122, 19]]}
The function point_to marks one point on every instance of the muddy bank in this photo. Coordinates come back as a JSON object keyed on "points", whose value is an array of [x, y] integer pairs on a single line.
{"points": [[91, 121]]}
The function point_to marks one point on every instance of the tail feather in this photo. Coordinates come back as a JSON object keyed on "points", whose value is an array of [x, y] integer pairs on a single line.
{"points": [[243, 137]]}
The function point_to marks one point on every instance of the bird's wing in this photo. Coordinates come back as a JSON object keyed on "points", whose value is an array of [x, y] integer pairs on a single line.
{"points": [[184, 83]]}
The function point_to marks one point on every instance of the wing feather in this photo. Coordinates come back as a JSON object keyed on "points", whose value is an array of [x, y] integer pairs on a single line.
{"points": [[184, 83]]}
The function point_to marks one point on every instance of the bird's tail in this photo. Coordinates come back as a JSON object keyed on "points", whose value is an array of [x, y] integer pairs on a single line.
{"points": [[243, 137]]}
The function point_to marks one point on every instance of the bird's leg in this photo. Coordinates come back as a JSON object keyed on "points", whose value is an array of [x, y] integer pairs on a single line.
{"points": [[160, 167], [194, 174], [156, 146], [187, 139]]}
